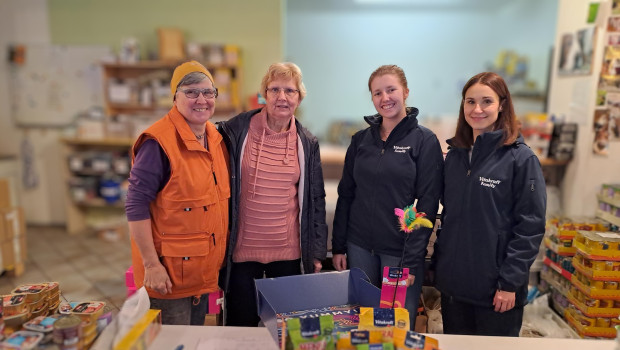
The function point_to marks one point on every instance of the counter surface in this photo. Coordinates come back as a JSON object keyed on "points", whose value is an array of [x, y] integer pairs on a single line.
{"points": [[232, 338]]}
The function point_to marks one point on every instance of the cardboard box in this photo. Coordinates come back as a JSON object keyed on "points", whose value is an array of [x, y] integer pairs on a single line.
{"points": [[303, 292], [142, 333], [12, 223], [5, 193]]}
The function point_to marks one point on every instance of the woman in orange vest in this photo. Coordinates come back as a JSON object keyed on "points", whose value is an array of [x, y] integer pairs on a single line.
{"points": [[177, 202]]}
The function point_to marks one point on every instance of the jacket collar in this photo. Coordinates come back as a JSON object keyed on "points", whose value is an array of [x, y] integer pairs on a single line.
{"points": [[404, 127], [186, 134], [489, 140]]}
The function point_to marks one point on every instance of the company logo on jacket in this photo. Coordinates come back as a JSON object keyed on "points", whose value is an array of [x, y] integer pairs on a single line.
{"points": [[401, 149], [489, 182]]}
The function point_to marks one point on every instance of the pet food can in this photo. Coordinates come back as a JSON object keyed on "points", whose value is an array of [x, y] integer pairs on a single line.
{"points": [[603, 322], [14, 304], [22, 340], [599, 265], [611, 285], [597, 284], [43, 324], [67, 333], [89, 311], [591, 302], [33, 292], [105, 319], [40, 311], [14, 322]]}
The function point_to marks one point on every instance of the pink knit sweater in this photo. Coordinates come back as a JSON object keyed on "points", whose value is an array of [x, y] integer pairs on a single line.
{"points": [[269, 205]]}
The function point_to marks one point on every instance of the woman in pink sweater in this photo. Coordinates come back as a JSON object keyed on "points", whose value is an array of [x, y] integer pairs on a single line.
{"points": [[277, 195]]}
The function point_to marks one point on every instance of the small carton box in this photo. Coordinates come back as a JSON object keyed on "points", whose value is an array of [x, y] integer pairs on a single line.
{"points": [[142, 333], [312, 291], [5, 193]]}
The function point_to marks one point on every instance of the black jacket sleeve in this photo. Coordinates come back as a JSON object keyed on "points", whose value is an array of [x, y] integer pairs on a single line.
{"points": [[429, 187], [317, 192], [346, 194], [529, 206]]}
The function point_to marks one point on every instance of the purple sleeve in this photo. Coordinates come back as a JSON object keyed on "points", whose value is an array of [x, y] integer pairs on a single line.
{"points": [[149, 174]]}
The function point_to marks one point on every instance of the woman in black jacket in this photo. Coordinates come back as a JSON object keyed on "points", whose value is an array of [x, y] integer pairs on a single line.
{"points": [[493, 218], [389, 165]]}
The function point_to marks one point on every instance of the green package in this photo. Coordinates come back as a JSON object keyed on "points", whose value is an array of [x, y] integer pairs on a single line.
{"points": [[310, 330]]}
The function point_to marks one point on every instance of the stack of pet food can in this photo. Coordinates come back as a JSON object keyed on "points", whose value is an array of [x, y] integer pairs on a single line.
{"points": [[105, 319], [89, 312], [67, 333], [53, 299], [36, 298], [15, 312]]}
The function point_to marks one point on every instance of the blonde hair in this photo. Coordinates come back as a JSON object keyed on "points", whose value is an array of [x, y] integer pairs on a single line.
{"points": [[284, 70], [389, 69]]}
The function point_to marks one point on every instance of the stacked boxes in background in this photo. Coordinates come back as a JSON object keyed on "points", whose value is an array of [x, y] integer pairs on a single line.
{"points": [[12, 233], [594, 294], [559, 252], [563, 140]]}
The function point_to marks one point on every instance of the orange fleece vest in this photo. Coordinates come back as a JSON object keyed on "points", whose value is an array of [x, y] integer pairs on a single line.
{"points": [[189, 216]]}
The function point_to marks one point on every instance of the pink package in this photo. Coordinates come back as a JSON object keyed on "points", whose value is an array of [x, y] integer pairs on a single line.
{"points": [[388, 286], [129, 282], [214, 307]]}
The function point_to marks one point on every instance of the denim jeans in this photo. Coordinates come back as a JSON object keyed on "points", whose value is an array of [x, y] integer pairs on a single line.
{"points": [[372, 264], [182, 311]]}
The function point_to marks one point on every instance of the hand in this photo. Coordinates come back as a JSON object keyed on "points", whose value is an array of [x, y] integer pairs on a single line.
{"points": [[340, 262], [317, 265], [156, 278], [503, 301], [410, 280]]}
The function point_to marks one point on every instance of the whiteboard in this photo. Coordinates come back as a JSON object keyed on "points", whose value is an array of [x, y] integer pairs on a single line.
{"points": [[55, 83]]}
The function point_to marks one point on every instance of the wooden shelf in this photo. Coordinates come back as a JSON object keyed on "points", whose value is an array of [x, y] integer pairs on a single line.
{"points": [[608, 217], [107, 142], [553, 162], [557, 268], [100, 203], [612, 201]]}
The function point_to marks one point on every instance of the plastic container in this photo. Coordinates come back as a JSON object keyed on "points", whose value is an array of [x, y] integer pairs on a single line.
{"points": [[22, 340]]}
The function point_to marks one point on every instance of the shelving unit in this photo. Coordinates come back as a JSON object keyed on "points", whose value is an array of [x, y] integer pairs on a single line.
{"points": [[135, 96]]}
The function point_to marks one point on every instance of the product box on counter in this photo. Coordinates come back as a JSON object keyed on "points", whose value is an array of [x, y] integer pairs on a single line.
{"points": [[142, 333], [312, 291]]}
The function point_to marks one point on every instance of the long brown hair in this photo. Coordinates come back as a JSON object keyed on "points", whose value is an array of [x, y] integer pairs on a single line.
{"points": [[506, 119]]}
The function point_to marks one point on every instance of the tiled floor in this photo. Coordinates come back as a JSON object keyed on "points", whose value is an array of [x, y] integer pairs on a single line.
{"points": [[86, 267]]}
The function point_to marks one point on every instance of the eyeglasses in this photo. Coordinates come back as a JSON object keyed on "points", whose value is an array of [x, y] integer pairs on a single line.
{"points": [[275, 91], [194, 93]]}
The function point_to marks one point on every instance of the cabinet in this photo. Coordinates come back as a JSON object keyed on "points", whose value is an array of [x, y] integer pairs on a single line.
{"points": [[97, 159]]}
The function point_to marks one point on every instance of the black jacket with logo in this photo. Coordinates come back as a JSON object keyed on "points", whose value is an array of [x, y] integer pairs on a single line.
{"points": [[493, 220], [380, 176]]}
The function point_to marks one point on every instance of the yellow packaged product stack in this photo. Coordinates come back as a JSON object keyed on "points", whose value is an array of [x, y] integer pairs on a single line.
{"points": [[594, 294], [559, 252]]}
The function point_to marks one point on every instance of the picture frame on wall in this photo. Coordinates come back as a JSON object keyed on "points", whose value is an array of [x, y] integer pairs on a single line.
{"points": [[576, 52], [613, 105], [600, 145]]}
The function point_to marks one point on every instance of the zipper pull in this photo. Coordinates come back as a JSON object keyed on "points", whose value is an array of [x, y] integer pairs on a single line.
{"points": [[213, 236], [382, 151], [468, 172], [205, 208], [213, 172]]}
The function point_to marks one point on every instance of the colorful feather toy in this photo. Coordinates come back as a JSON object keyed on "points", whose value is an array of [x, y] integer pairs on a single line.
{"points": [[409, 219]]}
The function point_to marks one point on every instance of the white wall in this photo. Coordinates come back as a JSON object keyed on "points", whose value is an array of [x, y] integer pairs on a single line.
{"points": [[338, 44], [26, 22], [586, 172]]}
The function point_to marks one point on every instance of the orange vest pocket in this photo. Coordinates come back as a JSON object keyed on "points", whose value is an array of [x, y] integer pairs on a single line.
{"points": [[184, 256]]}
